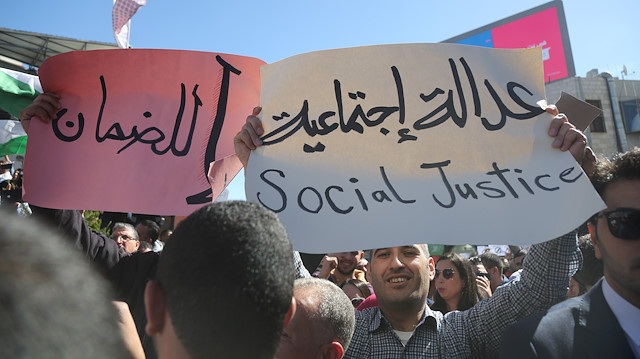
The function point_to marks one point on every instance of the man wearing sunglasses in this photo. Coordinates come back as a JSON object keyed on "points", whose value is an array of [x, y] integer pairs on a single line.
{"points": [[605, 322]]}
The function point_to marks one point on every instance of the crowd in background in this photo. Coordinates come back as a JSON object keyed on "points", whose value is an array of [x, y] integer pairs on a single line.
{"points": [[226, 283]]}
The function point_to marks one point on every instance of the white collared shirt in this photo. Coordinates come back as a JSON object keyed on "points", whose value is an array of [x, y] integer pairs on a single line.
{"points": [[628, 316]]}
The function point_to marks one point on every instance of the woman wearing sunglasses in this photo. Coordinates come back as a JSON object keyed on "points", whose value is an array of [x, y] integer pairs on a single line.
{"points": [[455, 284]]}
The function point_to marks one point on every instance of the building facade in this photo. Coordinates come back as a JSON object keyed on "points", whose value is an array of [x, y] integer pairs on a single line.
{"points": [[618, 129]]}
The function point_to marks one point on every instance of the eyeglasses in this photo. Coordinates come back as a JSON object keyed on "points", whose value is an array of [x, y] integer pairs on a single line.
{"points": [[123, 236], [357, 301], [447, 273], [623, 223]]}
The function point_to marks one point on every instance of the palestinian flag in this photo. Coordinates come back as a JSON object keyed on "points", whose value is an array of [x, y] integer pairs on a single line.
{"points": [[17, 91]]}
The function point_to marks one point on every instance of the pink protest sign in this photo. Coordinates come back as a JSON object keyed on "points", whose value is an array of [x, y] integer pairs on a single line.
{"points": [[138, 128]]}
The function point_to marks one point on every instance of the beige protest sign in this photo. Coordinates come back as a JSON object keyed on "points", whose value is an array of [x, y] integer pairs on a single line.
{"points": [[417, 143]]}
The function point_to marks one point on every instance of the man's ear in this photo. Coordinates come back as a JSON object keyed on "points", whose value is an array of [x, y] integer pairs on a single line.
{"points": [[333, 350], [137, 245], [594, 239], [290, 312], [432, 269], [155, 307]]}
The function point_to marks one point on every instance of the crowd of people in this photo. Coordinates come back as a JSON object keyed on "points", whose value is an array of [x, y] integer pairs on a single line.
{"points": [[226, 283]]}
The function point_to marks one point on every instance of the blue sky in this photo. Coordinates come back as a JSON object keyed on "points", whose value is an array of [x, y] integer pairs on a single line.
{"points": [[603, 34]]}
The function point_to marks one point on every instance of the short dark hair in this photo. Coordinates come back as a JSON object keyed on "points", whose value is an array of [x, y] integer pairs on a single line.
{"points": [[54, 304], [520, 253], [164, 232], [227, 275], [469, 294], [491, 260], [623, 166], [360, 285], [424, 246], [592, 269], [153, 229], [144, 246]]}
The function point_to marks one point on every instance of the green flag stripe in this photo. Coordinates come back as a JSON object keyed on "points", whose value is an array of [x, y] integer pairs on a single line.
{"points": [[14, 94], [14, 146]]}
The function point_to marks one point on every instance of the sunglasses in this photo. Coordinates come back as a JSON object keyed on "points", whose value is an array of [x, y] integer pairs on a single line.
{"points": [[357, 301], [483, 274], [623, 223], [447, 273]]}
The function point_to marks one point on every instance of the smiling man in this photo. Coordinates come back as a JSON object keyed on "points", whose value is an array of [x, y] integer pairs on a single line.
{"points": [[342, 266], [401, 276], [402, 326]]}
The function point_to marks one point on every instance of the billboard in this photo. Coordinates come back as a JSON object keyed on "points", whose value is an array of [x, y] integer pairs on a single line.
{"points": [[543, 26]]}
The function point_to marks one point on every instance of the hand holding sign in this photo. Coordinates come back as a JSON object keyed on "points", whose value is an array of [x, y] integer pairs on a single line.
{"points": [[146, 124], [569, 138], [248, 138], [44, 107], [414, 139]]}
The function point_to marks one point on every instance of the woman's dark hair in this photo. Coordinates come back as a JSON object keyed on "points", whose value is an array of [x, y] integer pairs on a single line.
{"points": [[469, 294], [362, 286]]}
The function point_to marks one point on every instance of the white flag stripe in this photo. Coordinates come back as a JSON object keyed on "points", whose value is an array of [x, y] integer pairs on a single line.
{"points": [[123, 11], [9, 130], [30, 80], [122, 37]]}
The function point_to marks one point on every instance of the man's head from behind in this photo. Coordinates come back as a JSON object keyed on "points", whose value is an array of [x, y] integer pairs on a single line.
{"points": [[148, 231], [615, 231], [590, 272], [53, 304], [323, 322], [224, 284]]}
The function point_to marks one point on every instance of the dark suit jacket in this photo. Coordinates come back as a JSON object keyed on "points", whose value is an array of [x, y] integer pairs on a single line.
{"points": [[582, 327]]}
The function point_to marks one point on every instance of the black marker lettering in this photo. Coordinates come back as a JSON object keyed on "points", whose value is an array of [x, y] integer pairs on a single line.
{"points": [[566, 173], [439, 165], [483, 186], [523, 182], [393, 190], [332, 204], [539, 184], [359, 194], [467, 191], [69, 124], [498, 172], [283, 196], [318, 196]]}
